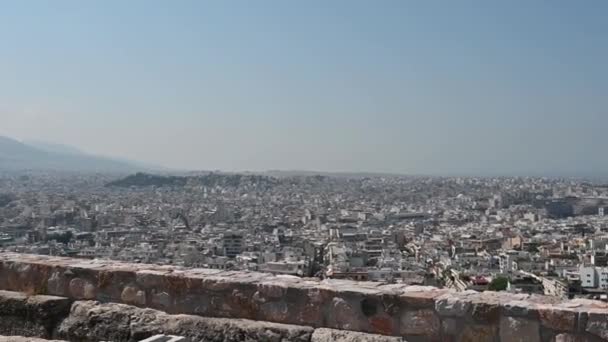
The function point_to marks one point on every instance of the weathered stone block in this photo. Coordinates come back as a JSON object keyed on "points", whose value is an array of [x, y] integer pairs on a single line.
{"points": [[133, 295], [520, 308], [344, 315], [478, 333], [34, 316], [451, 327], [558, 319], [484, 312], [82, 289], [333, 335], [418, 297], [519, 330], [24, 339], [420, 323], [452, 305], [565, 337], [417, 312], [597, 323], [92, 321]]}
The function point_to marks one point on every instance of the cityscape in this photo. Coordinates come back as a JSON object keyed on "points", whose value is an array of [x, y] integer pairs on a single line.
{"points": [[303, 171], [522, 235]]}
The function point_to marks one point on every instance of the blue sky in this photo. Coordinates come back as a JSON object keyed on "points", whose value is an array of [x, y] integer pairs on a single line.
{"points": [[440, 87]]}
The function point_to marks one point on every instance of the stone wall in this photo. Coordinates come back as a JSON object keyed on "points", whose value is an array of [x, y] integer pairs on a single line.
{"points": [[414, 312], [50, 317]]}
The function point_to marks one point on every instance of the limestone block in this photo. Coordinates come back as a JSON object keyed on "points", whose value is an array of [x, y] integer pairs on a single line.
{"points": [[333, 335], [559, 319], [420, 323], [24, 339], [519, 330], [597, 324], [478, 333], [24, 315], [82, 289], [92, 321], [451, 305]]}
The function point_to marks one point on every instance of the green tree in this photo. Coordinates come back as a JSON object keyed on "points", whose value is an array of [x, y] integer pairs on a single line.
{"points": [[498, 284]]}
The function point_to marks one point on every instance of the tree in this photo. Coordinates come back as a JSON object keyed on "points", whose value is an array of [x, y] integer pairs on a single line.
{"points": [[498, 284]]}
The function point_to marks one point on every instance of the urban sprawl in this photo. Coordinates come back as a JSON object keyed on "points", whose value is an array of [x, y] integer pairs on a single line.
{"points": [[529, 235]]}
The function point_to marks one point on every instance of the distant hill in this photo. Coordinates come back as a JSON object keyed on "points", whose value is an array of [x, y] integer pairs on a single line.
{"points": [[54, 148], [17, 156], [307, 173], [141, 179]]}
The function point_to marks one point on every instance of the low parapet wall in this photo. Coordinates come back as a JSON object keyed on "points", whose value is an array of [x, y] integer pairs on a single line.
{"points": [[417, 313], [91, 321]]}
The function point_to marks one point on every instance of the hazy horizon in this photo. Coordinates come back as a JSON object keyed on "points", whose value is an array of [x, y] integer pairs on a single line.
{"points": [[427, 87]]}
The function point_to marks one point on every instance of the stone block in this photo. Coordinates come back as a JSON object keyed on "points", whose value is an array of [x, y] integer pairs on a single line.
{"points": [[133, 295], [519, 330], [520, 308], [165, 338], [333, 335], [450, 327], [451, 305], [417, 312], [344, 315], [597, 323], [34, 316], [566, 337], [420, 323], [82, 289], [558, 319], [93, 321], [24, 339], [478, 333]]}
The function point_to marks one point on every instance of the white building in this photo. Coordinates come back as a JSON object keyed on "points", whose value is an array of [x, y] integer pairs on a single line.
{"points": [[594, 277]]}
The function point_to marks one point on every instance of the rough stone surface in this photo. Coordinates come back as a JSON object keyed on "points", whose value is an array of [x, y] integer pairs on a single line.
{"points": [[574, 338], [451, 305], [333, 335], [132, 295], [24, 339], [421, 323], [597, 323], [418, 313], [450, 327], [345, 315], [82, 289], [92, 321], [478, 333], [519, 330], [558, 319], [24, 315]]}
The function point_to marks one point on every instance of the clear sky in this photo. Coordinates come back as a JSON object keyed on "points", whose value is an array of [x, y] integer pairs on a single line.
{"points": [[440, 87]]}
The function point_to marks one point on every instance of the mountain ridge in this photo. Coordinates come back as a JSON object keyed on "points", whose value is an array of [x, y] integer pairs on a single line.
{"points": [[17, 156]]}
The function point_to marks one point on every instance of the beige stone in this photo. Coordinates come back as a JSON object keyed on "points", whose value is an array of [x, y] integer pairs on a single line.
{"points": [[571, 338], [82, 289], [478, 333], [519, 330], [361, 306], [558, 319], [343, 315], [24, 339], [420, 322], [132, 295], [162, 300], [597, 323], [333, 335]]}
